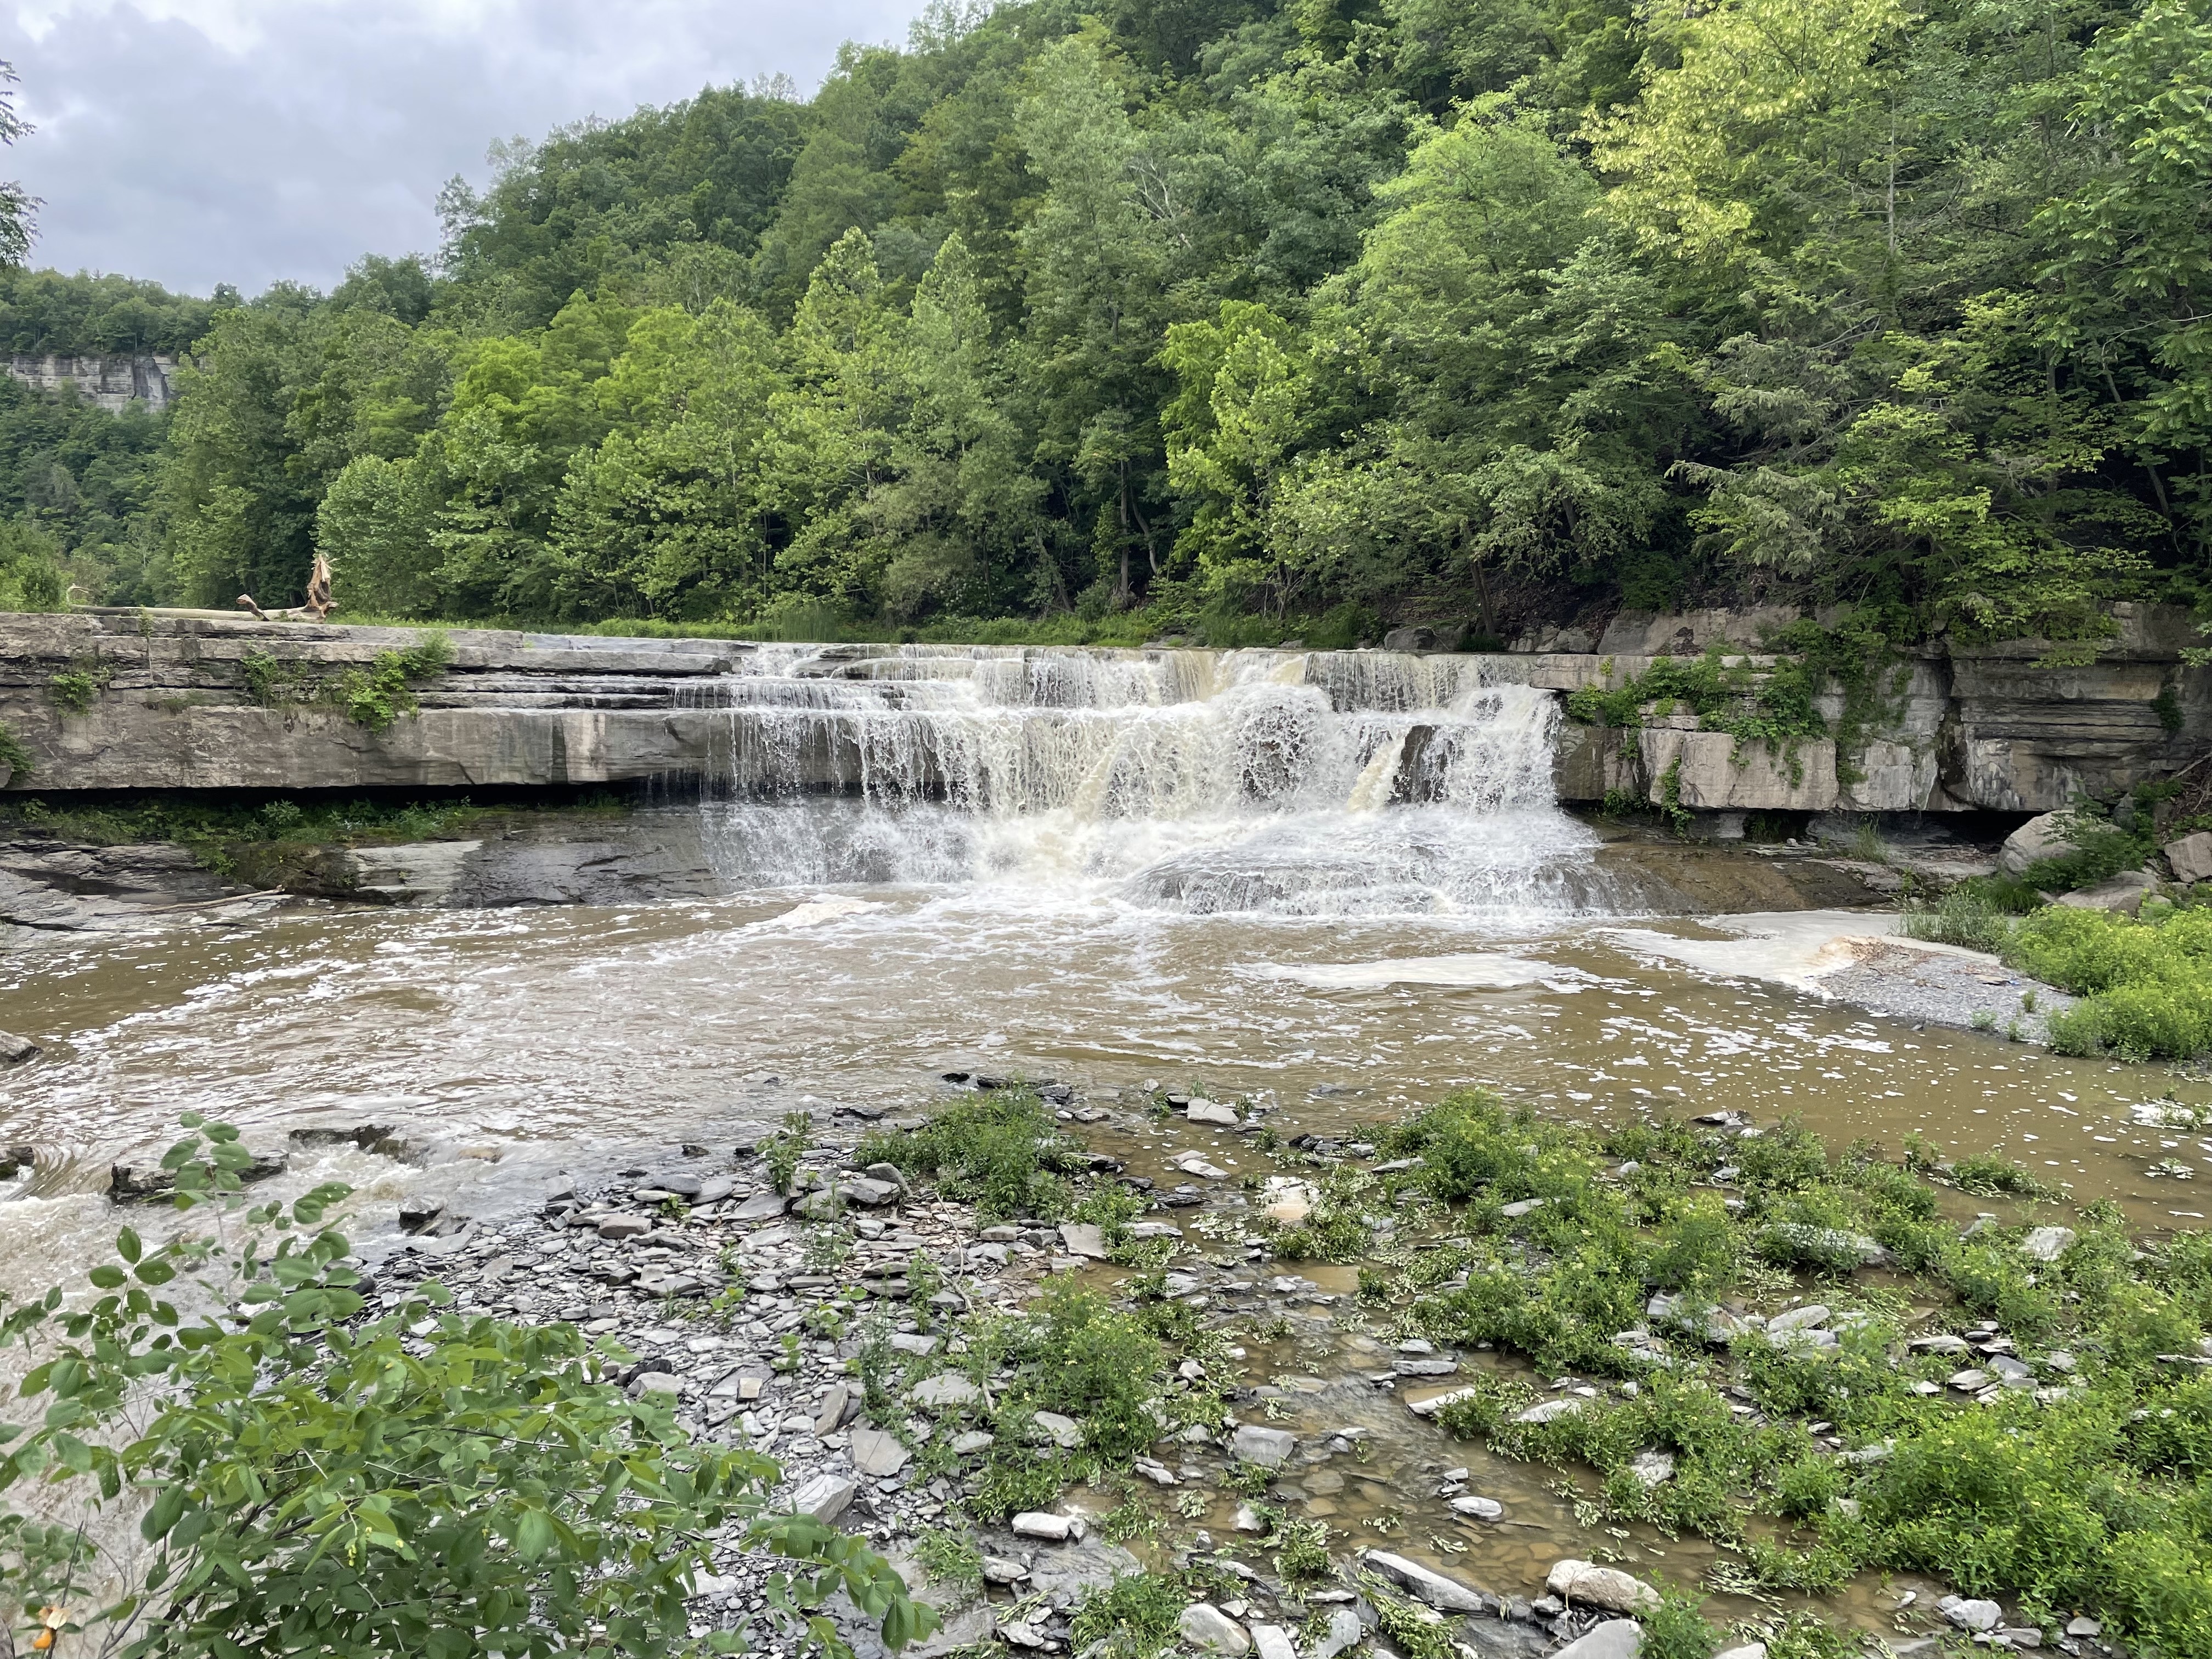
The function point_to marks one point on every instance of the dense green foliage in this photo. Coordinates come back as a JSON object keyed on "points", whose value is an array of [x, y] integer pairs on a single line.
{"points": [[311, 1479], [1002, 1151], [1243, 310]]}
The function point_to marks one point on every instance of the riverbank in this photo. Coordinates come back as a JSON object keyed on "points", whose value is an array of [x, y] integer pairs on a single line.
{"points": [[1211, 1364]]}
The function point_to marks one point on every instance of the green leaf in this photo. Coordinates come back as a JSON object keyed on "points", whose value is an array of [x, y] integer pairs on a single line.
{"points": [[168, 1508], [106, 1276], [128, 1247], [533, 1535]]}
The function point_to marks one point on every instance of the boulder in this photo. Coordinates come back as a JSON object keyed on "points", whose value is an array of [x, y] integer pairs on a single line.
{"points": [[1035, 1523], [1616, 1638], [1084, 1238], [1600, 1586], [1064, 1432], [824, 1498], [135, 1181], [944, 1390], [1269, 1447], [1971, 1615], [2122, 895], [1211, 1111], [2038, 838], [1653, 1469], [1477, 1508], [1345, 1633], [1208, 1629], [842, 1400], [2192, 857], [761, 1206], [1444, 1594], [876, 1453], [14, 1050]]}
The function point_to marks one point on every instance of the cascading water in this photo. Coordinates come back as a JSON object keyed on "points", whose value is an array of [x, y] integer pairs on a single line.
{"points": [[1200, 782]]}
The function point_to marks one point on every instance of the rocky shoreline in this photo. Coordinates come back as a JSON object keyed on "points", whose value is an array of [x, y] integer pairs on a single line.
{"points": [[757, 1313]]}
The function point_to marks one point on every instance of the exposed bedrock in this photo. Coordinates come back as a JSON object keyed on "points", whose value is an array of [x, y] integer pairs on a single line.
{"points": [[173, 708]]}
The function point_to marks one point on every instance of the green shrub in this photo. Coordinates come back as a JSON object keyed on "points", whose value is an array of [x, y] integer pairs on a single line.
{"points": [[1965, 915], [1003, 1151], [413, 1482], [1135, 1617], [2145, 985], [13, 756]]}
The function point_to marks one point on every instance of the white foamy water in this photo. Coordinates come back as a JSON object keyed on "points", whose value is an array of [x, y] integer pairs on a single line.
{"points": [[1199, 782]]}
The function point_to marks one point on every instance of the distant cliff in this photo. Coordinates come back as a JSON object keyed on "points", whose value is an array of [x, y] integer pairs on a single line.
{"points": [[113, 383]]}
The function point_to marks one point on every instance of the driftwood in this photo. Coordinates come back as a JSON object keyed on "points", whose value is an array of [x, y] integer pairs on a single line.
{"points": [[319, 604]]}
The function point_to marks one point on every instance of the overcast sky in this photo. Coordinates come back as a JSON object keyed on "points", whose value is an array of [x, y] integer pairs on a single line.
{"points": [[197, 141]]}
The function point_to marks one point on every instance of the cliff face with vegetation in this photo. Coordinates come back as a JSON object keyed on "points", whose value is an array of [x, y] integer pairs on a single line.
{"points": [[1685, 712], [1247, 321]]}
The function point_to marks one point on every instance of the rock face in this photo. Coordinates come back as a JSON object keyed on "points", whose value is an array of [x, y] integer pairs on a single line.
{"points": [[113, 383], [1983, 727]]}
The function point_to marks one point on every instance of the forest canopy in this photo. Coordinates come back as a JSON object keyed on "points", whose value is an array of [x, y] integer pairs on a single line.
{"points": [[1234, 313]]}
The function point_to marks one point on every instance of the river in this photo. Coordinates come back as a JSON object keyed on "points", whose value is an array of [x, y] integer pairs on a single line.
{"points": [[1108, 868]]}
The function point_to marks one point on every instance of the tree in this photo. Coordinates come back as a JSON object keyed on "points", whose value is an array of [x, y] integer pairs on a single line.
{"points": [[17, 206], [667, 516], [960, 504]]}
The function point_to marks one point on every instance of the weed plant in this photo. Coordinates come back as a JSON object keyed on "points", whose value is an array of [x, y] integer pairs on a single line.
{"points": [[2087, 1487], [1004, 1153]]}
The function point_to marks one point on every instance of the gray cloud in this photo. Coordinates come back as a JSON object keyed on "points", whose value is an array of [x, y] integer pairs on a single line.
{"points": [[196, 141]]}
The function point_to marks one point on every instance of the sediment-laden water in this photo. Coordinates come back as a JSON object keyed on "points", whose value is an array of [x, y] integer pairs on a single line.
{"points": [[1341, 879]]}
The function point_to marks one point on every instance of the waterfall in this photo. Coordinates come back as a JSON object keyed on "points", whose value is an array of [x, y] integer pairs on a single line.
{"points": [[1306, 783]]}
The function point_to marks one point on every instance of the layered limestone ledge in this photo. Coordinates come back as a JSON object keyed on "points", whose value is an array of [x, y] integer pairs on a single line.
{"points": [[1985, 728]]}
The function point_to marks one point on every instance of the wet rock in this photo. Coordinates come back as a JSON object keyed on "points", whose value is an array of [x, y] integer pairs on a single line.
{"points": [[1205, 1628], [1158, 1473], [1476, 1508], [14, 1050], [1035, 1524], [1085, 1239], [1345, 1632], [1425, 1367], [1209, 1111], [417, 1214], [1600, 1586], [1653, 1469], [1429, 1407], [143, 1181], [824, 1498], [1616, 1638], [1269, 1447], [876, 1453], [2049, 1244], [1971, 1615], [1445, 1595]]}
